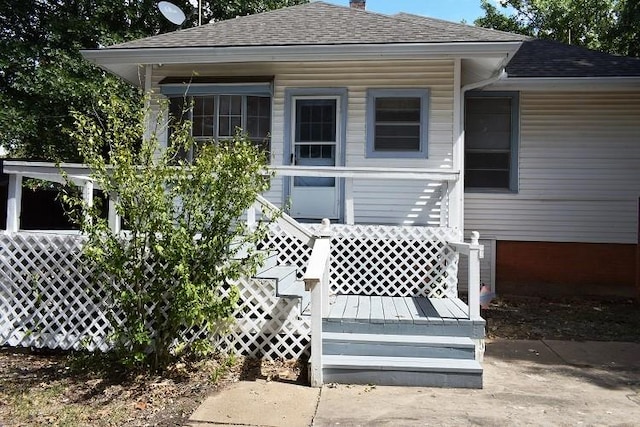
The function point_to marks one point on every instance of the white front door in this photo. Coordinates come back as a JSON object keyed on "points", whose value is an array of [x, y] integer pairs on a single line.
{"points": [[315, 142]]}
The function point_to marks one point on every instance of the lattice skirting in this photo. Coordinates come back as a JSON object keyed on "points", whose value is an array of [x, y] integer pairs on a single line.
{"points": [[382, 260], [46, 300]]}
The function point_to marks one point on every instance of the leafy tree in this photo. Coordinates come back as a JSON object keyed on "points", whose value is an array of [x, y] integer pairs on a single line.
{"points": [[172, 272], [625, 37], [606, 25], [43, 77]]}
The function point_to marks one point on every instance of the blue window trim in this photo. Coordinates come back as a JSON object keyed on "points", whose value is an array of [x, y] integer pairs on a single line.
{"points": [[423, 151], [194, 89], [343, 100], [515, 139]]}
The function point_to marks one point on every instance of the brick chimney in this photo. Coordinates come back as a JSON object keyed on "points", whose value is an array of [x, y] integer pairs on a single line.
{"points": [[358, 4]]}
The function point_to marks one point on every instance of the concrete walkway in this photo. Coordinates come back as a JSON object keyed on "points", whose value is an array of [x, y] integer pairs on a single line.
{"points": [[525, 383]]}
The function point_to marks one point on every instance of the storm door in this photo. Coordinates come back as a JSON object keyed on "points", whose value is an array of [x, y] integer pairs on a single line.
{"points": [[315, 142]]}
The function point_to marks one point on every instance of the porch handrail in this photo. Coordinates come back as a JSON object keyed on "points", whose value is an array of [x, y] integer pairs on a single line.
{"points": [[367, 172], [316, 281], [474, 251], [288, 224]]}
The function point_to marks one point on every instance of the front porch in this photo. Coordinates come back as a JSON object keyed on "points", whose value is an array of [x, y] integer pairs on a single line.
{"points": [[367, 303]]}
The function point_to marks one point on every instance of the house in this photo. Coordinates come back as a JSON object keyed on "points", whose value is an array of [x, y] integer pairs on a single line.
{"points": [[551, 160], [409, 133]]}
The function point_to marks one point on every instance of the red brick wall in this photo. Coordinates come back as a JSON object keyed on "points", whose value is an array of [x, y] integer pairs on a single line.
{"points": [[545, 268]]}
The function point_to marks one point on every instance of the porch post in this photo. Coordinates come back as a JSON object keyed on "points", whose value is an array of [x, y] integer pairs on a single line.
{"points": [[251, 217], [475, 253], [14, 203], [87, 196], [349, 217], [455, 211], [114, 219]]}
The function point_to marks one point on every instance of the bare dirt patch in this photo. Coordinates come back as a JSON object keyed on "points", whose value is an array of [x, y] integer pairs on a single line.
{"points": [[46, 388], [577, 319]]}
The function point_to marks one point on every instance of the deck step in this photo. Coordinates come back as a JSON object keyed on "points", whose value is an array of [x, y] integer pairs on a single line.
{"points": [[287, 285], [270, 257], [336, 343], [455, 328], [404, 371]]}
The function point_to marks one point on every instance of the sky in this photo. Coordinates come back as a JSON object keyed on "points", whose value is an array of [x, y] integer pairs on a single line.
{"points": [[450, 10]]}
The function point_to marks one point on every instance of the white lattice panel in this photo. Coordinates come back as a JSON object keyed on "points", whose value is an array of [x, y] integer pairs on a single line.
{"points": [[46, 300], [382, 260]]}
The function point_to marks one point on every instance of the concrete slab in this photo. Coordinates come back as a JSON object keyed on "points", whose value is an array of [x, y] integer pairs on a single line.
{"points": [[258, 403], [621, 355], [522, 350], [525, 383]]}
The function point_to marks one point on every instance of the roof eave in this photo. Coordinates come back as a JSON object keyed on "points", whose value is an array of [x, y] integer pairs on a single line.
{"points": [[126, 62], [602, 83]]}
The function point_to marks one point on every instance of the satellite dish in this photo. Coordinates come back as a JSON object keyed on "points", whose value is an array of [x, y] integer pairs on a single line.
{"points": [[172, 12]]}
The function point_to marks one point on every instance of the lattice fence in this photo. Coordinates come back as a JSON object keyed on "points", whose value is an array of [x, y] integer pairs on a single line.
{"points": [[382, 260], [47, 300]]}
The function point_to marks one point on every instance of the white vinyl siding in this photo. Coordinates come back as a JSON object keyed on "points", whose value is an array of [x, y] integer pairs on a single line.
{"points": [[579, 172], [375, 201]]}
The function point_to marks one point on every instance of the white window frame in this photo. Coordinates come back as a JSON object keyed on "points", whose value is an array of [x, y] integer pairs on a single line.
{"points": [[422, 152]]}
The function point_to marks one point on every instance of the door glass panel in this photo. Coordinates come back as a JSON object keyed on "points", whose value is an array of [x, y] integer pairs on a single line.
{"points": [[315, 138], [315, 120], [315, 155]]}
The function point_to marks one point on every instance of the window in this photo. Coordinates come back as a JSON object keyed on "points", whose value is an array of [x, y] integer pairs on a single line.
{"points": [[397, 123], [218, 109], [491, 132], [219, 116]]}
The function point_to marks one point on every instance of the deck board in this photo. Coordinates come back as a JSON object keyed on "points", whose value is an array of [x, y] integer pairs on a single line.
{"points": [[457, 309], [351, 309], [464, 308], [364, 307], [402, 311], [430, 313], [442, 307], [377, 309], [336, 310], [416, 312]]}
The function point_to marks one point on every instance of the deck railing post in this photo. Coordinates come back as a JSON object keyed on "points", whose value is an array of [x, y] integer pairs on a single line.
{"points": [[14, 203], [316, 281], [475, 253], [325, 233]]}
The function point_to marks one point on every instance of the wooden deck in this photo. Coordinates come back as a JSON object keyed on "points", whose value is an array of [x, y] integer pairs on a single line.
{"points": [[410, 310]]}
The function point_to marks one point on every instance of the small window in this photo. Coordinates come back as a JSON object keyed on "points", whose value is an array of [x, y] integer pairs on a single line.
{"points": [[491, 132], [397, 123]]}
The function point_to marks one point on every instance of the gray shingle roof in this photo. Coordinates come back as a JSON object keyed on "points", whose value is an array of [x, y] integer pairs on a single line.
{"points": [[320, 23], [547, 58]]}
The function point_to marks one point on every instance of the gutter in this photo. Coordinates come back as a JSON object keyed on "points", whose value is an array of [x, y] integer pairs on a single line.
{"points": [[204, 55], [499, 76], [569, 83]]}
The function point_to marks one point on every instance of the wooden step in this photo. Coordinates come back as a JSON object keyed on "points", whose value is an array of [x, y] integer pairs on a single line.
{"points": [[451, 328], [270, 256], [402, 371], [335, 343]]}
